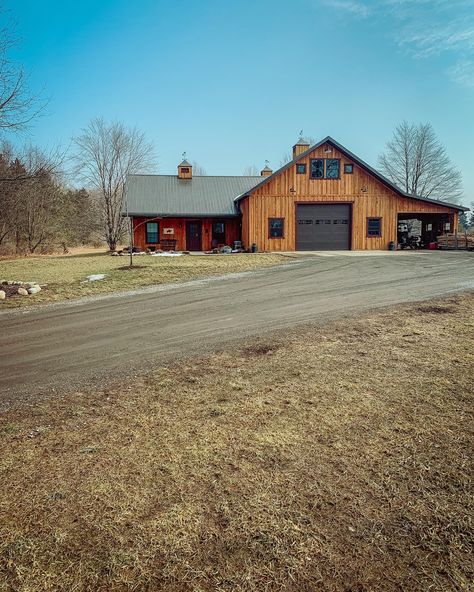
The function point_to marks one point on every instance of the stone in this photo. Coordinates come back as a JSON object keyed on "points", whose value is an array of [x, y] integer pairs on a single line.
{"points": [[23, 291], [2, 295], [34, 289]]}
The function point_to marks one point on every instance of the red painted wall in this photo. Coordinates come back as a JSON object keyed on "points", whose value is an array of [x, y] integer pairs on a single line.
{"points": [[232, 231]]}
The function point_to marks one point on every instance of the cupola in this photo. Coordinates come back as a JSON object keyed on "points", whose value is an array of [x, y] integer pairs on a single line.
{"points": [[185, 169], [301, 146], [266, 171]]}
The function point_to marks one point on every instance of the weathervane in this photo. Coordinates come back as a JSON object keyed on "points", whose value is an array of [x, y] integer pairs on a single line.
{"points": [[267, 162], [184, 155]]}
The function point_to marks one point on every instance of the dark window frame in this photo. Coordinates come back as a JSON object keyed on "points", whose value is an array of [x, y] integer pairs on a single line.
{"points": [[324, 176], [214, 234], [270, 220], [147, 233], [303, 166], [379, 220], [311, 166], [338, 160], [346, 166]]}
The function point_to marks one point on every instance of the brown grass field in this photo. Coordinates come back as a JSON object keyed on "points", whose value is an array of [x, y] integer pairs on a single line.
{"points": [[65, 276], [333, 458]]}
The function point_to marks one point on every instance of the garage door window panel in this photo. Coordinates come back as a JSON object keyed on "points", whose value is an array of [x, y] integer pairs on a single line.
{"points": [[374, 227], [276, 227]]}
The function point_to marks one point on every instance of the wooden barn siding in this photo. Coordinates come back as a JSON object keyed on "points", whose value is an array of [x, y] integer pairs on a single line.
{"points": [[179, 225], [274, 200]]}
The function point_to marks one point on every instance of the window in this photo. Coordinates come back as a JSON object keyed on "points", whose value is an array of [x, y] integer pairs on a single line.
{"points": [[218, 232], [332, 168], [275, 227], [348, 169], [152, 232], [374, 226], [301, 169], [317, 168], [328, 168], [185, 169]]}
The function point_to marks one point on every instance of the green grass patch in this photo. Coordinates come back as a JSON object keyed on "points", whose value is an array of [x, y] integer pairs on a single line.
{"points": [[65, 276]]}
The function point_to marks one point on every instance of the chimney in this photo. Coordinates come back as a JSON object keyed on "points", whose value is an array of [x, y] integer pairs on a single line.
{"points": [[185, 169], [301, 146], [266, 171]]}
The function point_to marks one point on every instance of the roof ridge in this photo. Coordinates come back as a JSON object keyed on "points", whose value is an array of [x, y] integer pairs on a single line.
{"points": [[194, 176]]}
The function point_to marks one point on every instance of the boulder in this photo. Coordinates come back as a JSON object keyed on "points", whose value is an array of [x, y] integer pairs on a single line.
{"points": [[34, 289], [2, 295], [23, 291]]}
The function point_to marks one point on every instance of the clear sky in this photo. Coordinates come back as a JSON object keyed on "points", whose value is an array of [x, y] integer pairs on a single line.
{"points": [[233, 81]]}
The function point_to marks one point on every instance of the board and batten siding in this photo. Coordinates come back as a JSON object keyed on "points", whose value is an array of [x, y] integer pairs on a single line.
{"points": [[369, 198]]}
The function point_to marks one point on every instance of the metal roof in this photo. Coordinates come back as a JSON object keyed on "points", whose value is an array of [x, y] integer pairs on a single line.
{"points": [[167, 195], [361, 163]]}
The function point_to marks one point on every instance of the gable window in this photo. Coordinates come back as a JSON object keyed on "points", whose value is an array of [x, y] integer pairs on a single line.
{"points": [[332, 168], [374, 226], [301, 169], [348, 168], [317, 168], [185, 169], [152, 233], [276, 227]]}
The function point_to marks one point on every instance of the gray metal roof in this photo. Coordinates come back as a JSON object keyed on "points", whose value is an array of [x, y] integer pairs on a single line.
{"points": [[362, 164], [167, 195]]}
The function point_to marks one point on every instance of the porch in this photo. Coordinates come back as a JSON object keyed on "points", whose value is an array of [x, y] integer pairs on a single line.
{"points": [[428, 226], [185, 233]]}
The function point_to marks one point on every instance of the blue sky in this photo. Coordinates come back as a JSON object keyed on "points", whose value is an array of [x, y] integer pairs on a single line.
{"points": [[232, 82]]}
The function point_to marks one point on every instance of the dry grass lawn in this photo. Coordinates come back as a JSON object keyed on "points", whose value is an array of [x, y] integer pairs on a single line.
{"points": [[337, 458], [65, 275]]}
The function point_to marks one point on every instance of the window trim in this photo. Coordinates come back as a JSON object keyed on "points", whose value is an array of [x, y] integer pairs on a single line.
{"points": [[379, 235], [348, 164], [339, 170], [223, 233], [311, 160], [324, 160], [301, 164], [157, 242], [282, 227]]}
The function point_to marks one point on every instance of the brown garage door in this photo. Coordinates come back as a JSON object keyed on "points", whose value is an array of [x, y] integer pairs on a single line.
{"points": [[323, 227]]}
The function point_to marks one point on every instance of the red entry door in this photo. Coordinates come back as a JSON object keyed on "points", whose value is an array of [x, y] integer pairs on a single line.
{"points": [[194, 236]]}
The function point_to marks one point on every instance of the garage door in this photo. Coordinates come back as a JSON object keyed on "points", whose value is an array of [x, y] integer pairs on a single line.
{"points": [[323, 227]]}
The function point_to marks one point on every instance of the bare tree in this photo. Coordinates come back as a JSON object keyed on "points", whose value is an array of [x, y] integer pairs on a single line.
{"points": [[17, 105], [417, 162], [198, 169], [30, 197], [105, 155], [251, 171]]}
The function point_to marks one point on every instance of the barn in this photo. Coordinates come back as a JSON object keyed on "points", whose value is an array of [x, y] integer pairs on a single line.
{"points": [[325, 198]]}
